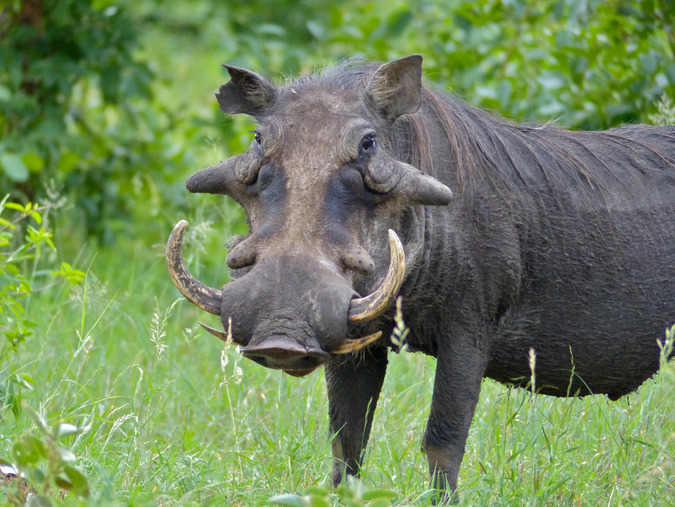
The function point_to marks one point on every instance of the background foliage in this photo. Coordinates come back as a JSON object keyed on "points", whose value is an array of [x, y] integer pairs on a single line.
{"points": [[107, 106], [110, 102]]}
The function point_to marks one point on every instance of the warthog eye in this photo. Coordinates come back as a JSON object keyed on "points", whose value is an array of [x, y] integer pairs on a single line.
{"points": [[368, 144], [257, 137]]}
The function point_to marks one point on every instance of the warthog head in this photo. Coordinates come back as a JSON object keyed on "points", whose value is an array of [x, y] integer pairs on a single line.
{"points": [[324, 191]]}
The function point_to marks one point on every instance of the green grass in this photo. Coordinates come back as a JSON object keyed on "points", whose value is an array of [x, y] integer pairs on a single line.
{"points": [[170, 417]]}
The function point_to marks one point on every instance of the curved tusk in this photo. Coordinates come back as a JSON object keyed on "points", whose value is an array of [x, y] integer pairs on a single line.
{"points": [[354, 345], [369, 307], [195, 292], [220, 334]]}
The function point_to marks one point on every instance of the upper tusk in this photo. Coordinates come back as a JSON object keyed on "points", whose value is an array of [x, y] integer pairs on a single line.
{"points": [[354, 345], [197, 293], [369, 307]]}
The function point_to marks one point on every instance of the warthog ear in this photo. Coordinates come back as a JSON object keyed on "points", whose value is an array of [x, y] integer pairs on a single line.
{"points": [[246, 93], [396, 87]]}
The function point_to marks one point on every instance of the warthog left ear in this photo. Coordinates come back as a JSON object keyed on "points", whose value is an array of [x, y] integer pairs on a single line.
{"points": [[246, 93], [396, 87], [229, 177]]}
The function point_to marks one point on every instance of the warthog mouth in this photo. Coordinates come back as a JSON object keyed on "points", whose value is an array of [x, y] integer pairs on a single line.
{"points": [[281, 352]]}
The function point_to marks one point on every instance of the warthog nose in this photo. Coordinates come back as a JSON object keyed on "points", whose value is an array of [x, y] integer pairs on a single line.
{"points": [[281, 353]]}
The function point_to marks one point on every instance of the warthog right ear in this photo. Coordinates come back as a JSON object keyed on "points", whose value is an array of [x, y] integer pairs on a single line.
{"points": [[396, 87], [246, 93]]}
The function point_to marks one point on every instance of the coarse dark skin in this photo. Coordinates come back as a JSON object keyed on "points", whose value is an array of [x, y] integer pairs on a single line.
{"points": [[513, 238]]}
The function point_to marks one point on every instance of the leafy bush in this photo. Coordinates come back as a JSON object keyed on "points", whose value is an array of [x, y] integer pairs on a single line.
{"points": [[21, 248], [589, 63], [43, 466], [76, 107], [113, 100]]}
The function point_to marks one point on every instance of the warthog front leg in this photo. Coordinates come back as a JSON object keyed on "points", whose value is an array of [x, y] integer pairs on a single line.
{"points": [[460, 366], [354, 385]]}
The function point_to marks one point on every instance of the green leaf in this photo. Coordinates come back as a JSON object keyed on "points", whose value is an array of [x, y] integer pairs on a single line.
{"points": [[39, 501], [5, 94], [74, 276], [24, 380], [345, 491], [380, 502], [318, 501], [317, 490], [37, 475], [80, 486], [33, 161], [66, 429], [15, 206], [399, 21], [63, 483], [66, 454], [316, 29], [670, 73], [68, 162], [36, 418], [14, 167], [372, 494], [288, 500], [29, 450], [271, 29], [649, 63]]}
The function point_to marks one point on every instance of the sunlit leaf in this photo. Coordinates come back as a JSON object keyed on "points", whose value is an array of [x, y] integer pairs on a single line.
{"points": [[288, 500], [66, 429], [13, 166]]}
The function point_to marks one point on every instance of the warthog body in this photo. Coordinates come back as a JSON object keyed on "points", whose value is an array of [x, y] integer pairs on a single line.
{"points": [[554, 241]]}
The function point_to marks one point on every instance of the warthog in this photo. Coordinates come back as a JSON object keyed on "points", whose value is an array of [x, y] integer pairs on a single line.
{"points": [[512, 238]]}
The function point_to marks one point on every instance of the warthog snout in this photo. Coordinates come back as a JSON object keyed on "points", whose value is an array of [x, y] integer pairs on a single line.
{"points": [[283, 353], [313, 303]]}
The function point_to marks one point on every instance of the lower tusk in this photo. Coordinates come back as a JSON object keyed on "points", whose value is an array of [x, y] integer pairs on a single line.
{"points": [[220, 334], [369, 307], [353, 345]]}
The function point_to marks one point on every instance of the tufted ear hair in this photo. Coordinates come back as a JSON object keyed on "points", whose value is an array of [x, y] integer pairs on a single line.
{"points": [[396, 87], [246, 93]]}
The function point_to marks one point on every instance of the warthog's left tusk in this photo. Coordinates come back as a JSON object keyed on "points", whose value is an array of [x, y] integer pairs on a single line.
{"points": [[354, 345], [369, 307], [196, 292], [220, 334]]}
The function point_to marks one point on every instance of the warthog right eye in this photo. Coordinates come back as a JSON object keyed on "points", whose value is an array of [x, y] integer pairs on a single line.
{"points": [[368, 144]]}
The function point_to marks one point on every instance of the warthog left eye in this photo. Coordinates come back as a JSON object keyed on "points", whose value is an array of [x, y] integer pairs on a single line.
{"points": [[368, 144], [257, 137]]}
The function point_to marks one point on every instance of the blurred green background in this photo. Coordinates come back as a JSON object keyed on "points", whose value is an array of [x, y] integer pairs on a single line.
{"points": [[110, 103]]}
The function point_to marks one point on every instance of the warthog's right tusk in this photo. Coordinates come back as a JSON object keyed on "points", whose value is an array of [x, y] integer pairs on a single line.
{"points": [[195, 292], [353, 345], [369, 307]]}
